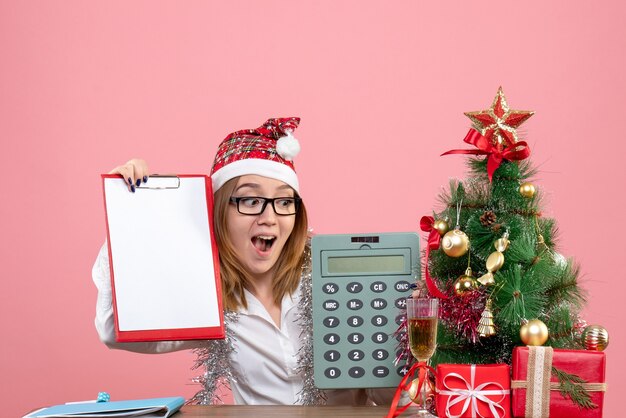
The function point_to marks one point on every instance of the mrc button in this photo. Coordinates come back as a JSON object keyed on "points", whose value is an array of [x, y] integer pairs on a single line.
{"points": [[330, 305]]}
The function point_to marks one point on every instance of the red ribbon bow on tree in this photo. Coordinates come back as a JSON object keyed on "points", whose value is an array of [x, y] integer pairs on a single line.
{"points": [[426, 225], [495, 153]]}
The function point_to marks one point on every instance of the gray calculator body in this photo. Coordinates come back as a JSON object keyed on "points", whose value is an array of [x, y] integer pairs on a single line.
{"points": [[359, 285]]}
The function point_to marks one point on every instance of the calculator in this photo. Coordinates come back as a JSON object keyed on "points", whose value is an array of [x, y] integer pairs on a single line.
{"points": [[359, 287]]}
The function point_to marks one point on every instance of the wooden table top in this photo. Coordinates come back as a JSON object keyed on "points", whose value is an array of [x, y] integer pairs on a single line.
{"points": [[270, 411]]}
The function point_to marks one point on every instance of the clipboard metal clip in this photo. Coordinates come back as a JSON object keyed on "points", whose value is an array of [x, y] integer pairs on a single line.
{"points": [[161, 181]]}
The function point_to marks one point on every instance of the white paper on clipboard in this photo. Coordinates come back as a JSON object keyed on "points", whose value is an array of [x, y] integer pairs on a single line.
{"points": [[163, 258]]}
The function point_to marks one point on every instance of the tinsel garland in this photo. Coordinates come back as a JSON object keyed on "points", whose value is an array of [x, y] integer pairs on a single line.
{"points": [[214, 357], [463, 313], [310, 394]]}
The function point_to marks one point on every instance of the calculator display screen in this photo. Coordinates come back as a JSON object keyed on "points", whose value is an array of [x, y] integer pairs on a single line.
{"points": [[369, 264]]}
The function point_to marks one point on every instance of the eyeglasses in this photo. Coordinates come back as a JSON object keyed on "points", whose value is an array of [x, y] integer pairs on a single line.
{"points": [[254, 205]]}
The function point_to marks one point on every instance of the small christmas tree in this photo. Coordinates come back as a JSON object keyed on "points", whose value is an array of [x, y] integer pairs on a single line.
{"points": [[491, 257]]}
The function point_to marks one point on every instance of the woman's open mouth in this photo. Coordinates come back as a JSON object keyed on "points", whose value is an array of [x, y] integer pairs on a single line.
{"points": [[263, 242]]}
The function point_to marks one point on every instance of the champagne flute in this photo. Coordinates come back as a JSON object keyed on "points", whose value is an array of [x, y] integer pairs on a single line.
{"points": [[421, 314]]}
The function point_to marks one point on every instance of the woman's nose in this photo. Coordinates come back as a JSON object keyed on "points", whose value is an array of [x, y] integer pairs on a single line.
{"points": [[268, 215]]}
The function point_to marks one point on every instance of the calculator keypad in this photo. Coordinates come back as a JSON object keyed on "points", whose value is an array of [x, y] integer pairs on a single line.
{"points": [[361, 314], [359, 287], [358, 326]]}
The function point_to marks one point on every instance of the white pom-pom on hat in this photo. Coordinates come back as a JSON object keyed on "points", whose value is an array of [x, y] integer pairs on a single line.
{"points": [[288, 146]]}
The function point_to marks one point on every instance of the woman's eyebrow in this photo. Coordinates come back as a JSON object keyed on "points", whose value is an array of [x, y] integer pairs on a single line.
{"points": [[250, 185], [256, 186]]}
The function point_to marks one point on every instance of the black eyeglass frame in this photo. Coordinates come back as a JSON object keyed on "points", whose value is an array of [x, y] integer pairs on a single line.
{"points": [[296, 201]]}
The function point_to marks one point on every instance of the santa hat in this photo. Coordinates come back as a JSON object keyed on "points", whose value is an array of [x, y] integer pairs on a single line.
{"points": [[266, 151]]}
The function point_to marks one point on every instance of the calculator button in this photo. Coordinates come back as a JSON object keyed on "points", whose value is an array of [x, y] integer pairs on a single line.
{"points": [[331, 322], [400, 303], [400, 336], [330, 288], [332, 373], [354, 287], [403, 370], [379, 321], [332, 355], [399, 319], [378, 287], [355, 304], [380, 371], [356, 338], [355, 321], [356, 372], [380, 337], [331, 305], [401, 355], [356, 355], [402, 286], [380, 354], [379, 303], [331, 339]]}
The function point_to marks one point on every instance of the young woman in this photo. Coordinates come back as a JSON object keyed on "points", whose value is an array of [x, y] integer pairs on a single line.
{"points": [[261, 230]]}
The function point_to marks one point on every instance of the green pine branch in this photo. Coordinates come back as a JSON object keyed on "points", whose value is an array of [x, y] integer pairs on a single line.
{"points": [[520, 296], [571, 386], [564, 285]]}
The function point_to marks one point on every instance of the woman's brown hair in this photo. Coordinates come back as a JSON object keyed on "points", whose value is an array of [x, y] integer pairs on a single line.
{"points": [[234, 277]]}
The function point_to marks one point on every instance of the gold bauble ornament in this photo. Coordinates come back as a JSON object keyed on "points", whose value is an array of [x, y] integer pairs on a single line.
{"points": [[527, 190], [441, 225], [465, 283], [534, 332], [427, 392], [455, 243], [595, 338]]}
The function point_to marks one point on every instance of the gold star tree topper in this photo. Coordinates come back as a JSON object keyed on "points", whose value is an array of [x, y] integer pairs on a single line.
{"points": [[499, 123]]}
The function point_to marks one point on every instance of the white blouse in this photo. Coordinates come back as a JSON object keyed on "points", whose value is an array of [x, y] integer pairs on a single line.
{"points": [[264, 358]]}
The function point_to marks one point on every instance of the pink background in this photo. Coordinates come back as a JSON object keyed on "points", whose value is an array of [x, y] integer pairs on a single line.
{"points": [[381, 88]]}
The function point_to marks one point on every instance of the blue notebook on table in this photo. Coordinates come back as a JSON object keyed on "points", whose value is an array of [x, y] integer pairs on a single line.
{"points": [[143, 408]]}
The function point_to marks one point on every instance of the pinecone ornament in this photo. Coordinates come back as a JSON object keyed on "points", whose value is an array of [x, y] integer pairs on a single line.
{"points": [[488, 218]]}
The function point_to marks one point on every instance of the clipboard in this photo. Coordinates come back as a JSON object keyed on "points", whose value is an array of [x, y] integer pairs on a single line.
{"points": [[163, 259]]}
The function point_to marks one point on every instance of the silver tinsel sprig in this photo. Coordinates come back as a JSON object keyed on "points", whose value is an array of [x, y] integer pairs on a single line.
{"points": [[214, 357], [310, 394]]}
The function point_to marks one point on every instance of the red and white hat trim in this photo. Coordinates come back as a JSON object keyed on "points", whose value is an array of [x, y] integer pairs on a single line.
{"points": [[265, 168]]}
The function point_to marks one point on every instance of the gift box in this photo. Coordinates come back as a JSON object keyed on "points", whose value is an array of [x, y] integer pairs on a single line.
{"points": [[536, 386], [469, 390]]}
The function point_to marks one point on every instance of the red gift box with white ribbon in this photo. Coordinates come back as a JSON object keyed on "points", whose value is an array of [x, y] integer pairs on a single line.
{"points": [[536, 387], [469, 390]]}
